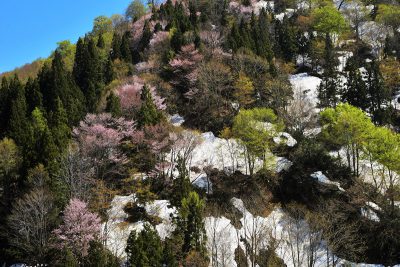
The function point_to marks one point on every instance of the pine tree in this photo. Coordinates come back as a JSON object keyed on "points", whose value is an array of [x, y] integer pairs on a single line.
{"points": [[224, 14], [379, 94], [286, 41], [143, 43], [41, 148], [263, 39], [18, 124], [191, 225], [144, 248], [79, 64], [59, 126], [125, 48], [109, 73], [100, 42], [329, 88], [181, 184], [235, 40], [355, 91], [116, 47], [244, 32], [193, 14], [5, 106], [113, 105], [58, 83], [177, 40], [33, 95], [88, 74], [148, 113]]}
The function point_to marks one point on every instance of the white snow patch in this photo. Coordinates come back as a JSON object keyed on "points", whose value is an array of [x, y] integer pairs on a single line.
{"points": [[323, 179], [202, 181], [176, 120], [286, 139], [343, 58], [307, 84], [116, 229], [283, 164]]}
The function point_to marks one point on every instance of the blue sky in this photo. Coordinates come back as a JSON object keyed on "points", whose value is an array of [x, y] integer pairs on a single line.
{"points": [[30, 29]]}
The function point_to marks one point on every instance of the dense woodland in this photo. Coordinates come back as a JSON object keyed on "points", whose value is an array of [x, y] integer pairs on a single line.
{"points": [[93, 121]]}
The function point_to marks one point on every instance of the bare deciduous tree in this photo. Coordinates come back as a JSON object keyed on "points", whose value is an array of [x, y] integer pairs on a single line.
{"points": [[30, 225], [77, 173]]}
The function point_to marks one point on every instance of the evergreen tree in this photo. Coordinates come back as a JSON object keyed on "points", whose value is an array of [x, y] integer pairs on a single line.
{"points": [[125, 48], [116, 47], [181, 184], [18, 124], [40, 148], [177, 40], [143, 43], [263, 40], [148, 113], [79, 63], [193, 14], [379, 94], [99, 256], [224, 14], [5, 106], [355, 91], [329, 88], [88, 73], [144, 248], [244, 32], [235, 40], [59, 126], [100, 42], [109, 73], [191, 225], [58, 83], [286, 39], [33, 95], [170, 259], [113, 105]]}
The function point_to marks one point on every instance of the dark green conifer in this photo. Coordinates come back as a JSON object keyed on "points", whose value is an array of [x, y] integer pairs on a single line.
{"points": [[148, 113], [144, 248], [329, 88], [125, 48], [34, 97], [113, 105], [116, 47], [100, 42], [355, 91], [181, 184], [177, 40], [109, 74], [18, 123], [191, 225]]}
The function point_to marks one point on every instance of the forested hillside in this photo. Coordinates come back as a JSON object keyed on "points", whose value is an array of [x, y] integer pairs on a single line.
{"points": [[208, 133]]}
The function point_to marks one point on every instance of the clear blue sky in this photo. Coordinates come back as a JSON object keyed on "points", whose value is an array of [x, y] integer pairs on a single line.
{"points": [[30, 29]]}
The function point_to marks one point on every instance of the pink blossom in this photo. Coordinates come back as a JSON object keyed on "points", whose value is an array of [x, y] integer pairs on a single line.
{"points": [[184, 66], [99, 137], [129, 95], [159, 37], [79, 227]]}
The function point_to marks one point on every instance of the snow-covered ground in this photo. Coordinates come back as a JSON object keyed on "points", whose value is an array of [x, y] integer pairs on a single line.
{"points": [[324, 180], [292, 238], [370, 172], [307, 84], [222, 154], [116, 229]]}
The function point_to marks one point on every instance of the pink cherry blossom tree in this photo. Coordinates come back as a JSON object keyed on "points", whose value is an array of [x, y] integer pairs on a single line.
{"points": [[129, 95], [79, 227], [99, 138], [184, 67]]}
